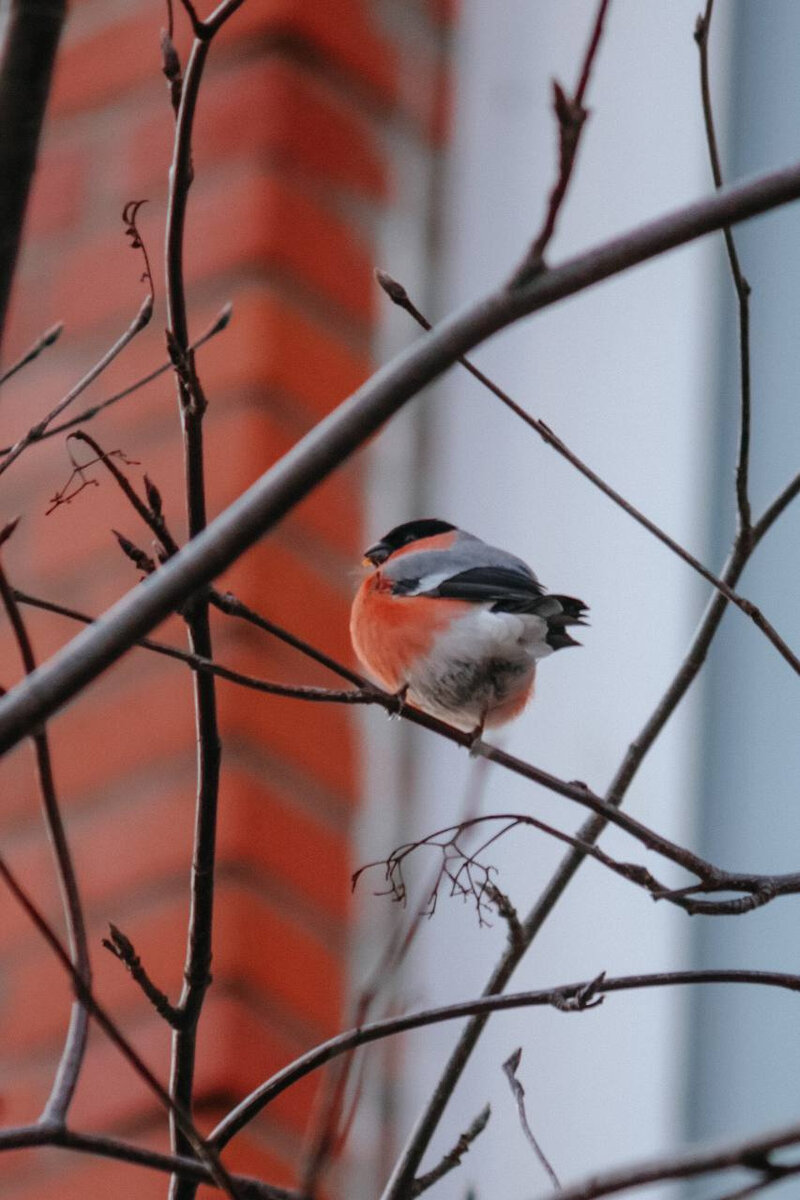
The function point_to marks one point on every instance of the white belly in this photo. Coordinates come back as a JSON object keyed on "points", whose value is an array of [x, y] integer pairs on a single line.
{"points": [[480, 666]]}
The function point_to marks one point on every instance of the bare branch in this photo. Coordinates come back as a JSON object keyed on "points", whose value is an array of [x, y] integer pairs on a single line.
{"points": [[510, 1068], [761, 1185], [200, 1146], [453, 1158], [223, 12], [751, 1153], [366, 695], [776, 508], [469, 877], [757, 889], [558, 998], [192, 402], [570, 117], [221, 322], [741, 285], [227, 603], [122, 948], [99, 1145], [37, 432], [69, 1066], [48, 338], [191, 12], [344, 430], [151, 514]]}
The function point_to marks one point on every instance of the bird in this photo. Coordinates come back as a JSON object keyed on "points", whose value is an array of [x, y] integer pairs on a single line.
{"points": [[454, 626]]}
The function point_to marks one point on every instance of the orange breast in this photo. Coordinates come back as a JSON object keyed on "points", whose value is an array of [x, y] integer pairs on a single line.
{"points": [[390, 633]]}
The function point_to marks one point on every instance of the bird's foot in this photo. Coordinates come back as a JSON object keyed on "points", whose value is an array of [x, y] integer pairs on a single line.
{"points": [[476, 740], [400, 697]]}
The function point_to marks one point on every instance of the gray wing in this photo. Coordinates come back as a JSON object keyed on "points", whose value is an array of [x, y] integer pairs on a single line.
{"points": [[480, 574], [420, 572]]}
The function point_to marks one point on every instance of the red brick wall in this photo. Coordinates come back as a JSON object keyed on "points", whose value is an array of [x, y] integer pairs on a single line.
{"points": [[293, 174]]}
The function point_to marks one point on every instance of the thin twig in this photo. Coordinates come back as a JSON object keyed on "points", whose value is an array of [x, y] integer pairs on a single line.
{"points": [[331, 1135], [758, 889], [453, 1157], [48, 338], [98, 1145], [221, 322], [558, 998], [571, 117], [205, 1152], [129, 216], [229, 604], [741, 285], [149, 512], [192, 404], [366, 695], [69, 1067], [751, 1153], [399, 296], [510, 1068], [755, 1189], [38, 431], [122, 948]]}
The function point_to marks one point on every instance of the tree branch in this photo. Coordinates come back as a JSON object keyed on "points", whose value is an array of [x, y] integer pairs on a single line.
{"points": [[101, 1146], [121, 946], [38, 431], [570, 117], [221, 322], [48, 338], [66, 1079], [206, 1153], [366, 695], [453, 1157], [559, 997], [333, 440], [192, 404], [741, 286], [751, 1153]]}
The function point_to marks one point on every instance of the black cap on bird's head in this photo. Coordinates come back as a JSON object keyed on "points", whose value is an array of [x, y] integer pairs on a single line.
{"points": [[404, 535]]}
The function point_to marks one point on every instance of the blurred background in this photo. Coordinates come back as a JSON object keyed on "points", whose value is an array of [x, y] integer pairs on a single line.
{"points": [[416, 137]]}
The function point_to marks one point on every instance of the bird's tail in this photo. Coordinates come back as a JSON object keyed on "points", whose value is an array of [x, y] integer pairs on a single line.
{"points": [[570, 612]]}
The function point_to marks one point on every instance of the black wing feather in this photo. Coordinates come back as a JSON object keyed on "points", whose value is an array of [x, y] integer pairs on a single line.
{"points": [[511, 591], [505, 588]]}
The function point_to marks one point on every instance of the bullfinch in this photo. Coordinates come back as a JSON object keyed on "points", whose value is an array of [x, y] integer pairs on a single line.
{"points": [[456, 626]]}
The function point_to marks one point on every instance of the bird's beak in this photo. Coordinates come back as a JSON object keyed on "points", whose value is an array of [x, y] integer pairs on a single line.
{"points": [[375, 555]]}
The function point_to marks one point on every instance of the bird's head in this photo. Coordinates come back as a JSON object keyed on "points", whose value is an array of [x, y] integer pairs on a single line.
{"points": [[402, 536]]}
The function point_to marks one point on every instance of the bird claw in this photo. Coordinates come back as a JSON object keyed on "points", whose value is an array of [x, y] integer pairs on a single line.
{"points": [[476, 740], [400, 697], [476, 746]]}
